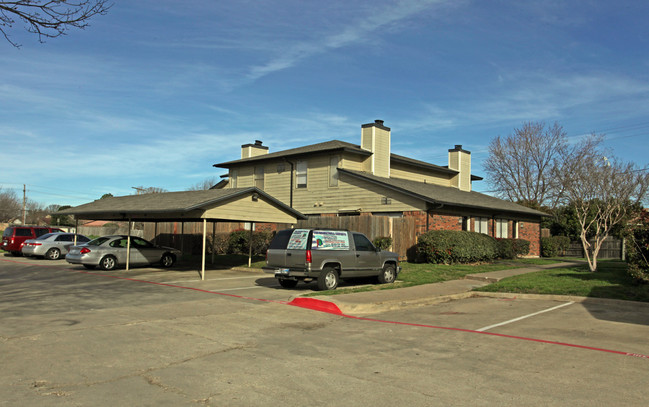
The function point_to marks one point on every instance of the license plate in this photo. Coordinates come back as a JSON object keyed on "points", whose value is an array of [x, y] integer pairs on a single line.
{"points": [[282, 271]]}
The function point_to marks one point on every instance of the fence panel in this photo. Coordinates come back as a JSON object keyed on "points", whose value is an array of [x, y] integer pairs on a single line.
{"points": [[612, 248]]}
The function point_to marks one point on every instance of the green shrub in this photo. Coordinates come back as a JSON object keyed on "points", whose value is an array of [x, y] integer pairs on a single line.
{"points": [[219, 243], [638, 253], [554, 246], [238, 242], [512, 248], [383, 243], [449, 246]]}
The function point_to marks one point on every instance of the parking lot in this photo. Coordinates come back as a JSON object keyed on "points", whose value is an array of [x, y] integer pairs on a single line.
{"points": [[70, 336]]}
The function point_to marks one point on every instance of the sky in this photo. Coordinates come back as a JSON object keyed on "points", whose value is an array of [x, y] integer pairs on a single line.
{"points": [[157, 91]]}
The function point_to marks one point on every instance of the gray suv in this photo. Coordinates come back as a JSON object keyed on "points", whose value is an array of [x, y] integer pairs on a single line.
{"points": [[327, 255]]}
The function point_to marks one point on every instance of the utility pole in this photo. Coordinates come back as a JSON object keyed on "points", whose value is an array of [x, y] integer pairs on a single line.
{"points": [[24, 203]]}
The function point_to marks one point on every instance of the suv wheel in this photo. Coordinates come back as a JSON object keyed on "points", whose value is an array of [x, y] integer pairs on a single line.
{"points": [[388, 274], [53, 254], [167, 260], [328, 279], [287, 283]]}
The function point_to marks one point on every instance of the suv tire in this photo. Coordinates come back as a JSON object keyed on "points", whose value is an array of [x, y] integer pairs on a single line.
{"points": [[328, 279], [388, 274]]}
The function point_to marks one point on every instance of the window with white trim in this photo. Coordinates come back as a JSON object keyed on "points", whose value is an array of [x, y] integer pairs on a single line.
{"points": [[300, 174], [259, 177], [233, 178], [501, 228], [481, 225], [333, 171]]}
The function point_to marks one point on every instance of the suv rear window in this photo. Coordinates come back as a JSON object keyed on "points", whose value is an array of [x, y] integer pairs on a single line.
{"points": [[8, 232], [280, 241]]}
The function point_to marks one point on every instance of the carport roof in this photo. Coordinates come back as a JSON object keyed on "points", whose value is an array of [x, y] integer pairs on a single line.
{"points": [[187, 205]]}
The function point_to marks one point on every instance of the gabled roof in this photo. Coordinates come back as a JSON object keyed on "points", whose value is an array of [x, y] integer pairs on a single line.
{"points": [[169, 204], [333, 145], [437, 194], [337, 145]]}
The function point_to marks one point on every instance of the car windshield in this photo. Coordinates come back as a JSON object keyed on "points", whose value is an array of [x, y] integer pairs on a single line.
{"points": [[98, 241]]}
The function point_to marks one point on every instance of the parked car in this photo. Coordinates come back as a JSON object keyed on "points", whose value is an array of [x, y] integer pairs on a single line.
{"points": [[51, 245], [327, 256], [109, 252], [14, 237]]}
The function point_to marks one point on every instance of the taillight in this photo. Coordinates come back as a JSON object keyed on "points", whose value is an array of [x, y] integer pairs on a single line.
{"points": [[34, 244], [308, 256], [84, 250]]}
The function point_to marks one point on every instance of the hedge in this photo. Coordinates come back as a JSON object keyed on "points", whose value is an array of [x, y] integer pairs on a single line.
{"points": [[449, 246], [383, 243], [554, 246], [512, 248]]}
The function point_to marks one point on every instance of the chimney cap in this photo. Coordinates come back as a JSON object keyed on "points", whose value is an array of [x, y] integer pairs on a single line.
{"points": [[458, 147], [377, 123], [259, 142]]}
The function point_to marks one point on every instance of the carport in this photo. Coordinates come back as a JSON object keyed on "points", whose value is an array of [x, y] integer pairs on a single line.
{"points": [[226, 205]]}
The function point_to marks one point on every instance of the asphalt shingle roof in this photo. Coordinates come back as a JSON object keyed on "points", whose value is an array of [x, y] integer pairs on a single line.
{"points": [[445, 195], [167, 202]]}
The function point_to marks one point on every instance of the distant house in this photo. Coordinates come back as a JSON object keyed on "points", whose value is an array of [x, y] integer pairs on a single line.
{"points": [[337, 178]]}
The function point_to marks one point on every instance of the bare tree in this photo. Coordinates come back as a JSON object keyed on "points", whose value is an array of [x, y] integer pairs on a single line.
{"points": [[49, 18], [604, 191], [521, 165], [148, 190], [207, 183], [9, 205]]}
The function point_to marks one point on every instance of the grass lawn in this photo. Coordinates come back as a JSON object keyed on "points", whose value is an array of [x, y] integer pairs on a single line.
{"points": [[423, 273], [609, 281]]}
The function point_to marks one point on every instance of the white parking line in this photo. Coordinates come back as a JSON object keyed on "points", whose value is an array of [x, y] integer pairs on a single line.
{"points": [[525, 316]]}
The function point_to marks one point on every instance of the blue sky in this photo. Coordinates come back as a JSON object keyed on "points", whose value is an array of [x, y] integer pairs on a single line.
{"points": [[156, 91]]}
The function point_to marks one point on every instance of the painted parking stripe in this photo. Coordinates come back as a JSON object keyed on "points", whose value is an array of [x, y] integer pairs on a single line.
{"points": [[486, 328]]}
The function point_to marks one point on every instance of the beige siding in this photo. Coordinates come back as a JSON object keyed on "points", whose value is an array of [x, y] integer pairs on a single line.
{"points": [[413, 173], [252, 211]]}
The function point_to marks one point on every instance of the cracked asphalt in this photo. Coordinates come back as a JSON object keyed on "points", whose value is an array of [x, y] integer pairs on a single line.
{"points": [[68, 338]]}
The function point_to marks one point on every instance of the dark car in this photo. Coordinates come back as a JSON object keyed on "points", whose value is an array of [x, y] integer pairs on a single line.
{"points": [[327, 256], [14, 237]]}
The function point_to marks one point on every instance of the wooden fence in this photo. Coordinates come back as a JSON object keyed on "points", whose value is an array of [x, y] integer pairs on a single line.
{"points": [[612, 248], [188, 236]]}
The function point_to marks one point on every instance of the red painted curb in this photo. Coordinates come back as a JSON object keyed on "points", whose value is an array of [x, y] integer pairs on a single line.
{"points": [[316, 305]]}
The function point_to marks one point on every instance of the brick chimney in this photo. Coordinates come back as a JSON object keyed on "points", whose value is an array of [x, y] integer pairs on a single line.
{"points": [[375, 137], [460, 160], [253, 150]]}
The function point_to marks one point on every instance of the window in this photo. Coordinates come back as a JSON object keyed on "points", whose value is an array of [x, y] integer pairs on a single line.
{"points": [[259, 177], [300, 174], [482, 225], [465, 223], [362, 243], [333, 171], [233, 178], [515, 229], [501, 228]]}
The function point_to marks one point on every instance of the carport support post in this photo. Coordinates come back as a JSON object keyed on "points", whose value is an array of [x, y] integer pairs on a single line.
{"points": [[204, 248], [252, 225], [76, 230], [128, 245], [213, 240]]}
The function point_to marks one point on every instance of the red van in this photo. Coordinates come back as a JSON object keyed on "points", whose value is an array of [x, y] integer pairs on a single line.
{"points": [[14, 237]]}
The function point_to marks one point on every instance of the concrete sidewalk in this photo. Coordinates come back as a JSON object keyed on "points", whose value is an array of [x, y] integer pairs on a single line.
{"points": [[369, 302]]}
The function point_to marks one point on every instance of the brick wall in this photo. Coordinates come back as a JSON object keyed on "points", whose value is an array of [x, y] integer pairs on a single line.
{"points": [[531, 231]]}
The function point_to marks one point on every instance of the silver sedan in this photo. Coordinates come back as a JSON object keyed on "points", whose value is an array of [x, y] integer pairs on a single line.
{"points": [[109, 252], [51, 245]]}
